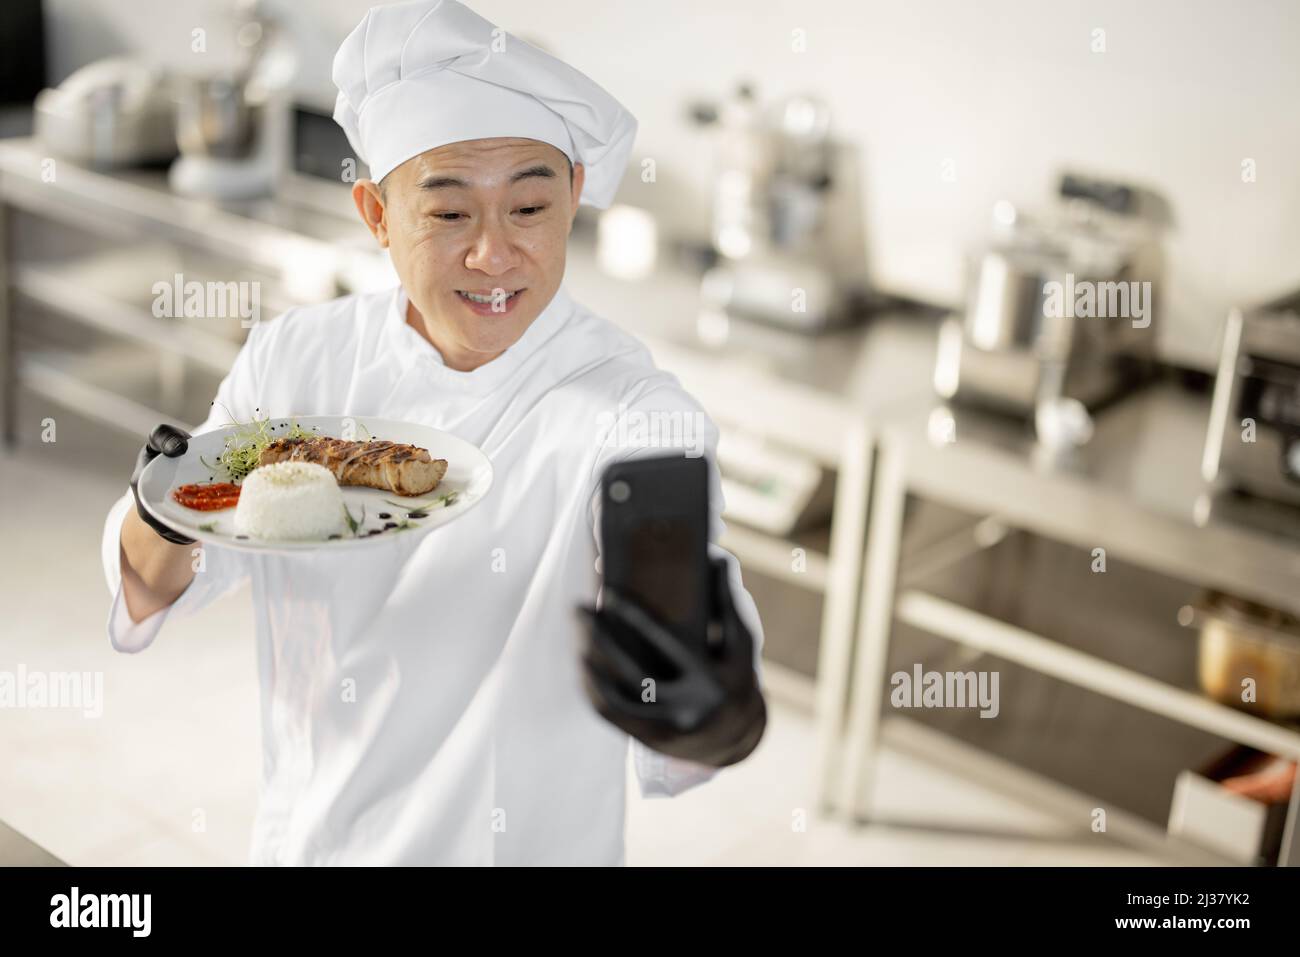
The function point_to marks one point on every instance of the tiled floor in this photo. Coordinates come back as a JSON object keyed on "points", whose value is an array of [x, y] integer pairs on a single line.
{"points": [[168, 774]]}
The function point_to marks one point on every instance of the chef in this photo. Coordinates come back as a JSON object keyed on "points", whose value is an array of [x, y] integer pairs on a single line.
{"points": [[464, 697]]}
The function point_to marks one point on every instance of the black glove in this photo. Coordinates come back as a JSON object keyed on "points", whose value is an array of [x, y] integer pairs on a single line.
{"points": [[170, 441], [707, 706]]}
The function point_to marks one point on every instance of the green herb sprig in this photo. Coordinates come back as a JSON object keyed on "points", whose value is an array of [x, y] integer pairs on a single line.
{"points": [[354, 525]]}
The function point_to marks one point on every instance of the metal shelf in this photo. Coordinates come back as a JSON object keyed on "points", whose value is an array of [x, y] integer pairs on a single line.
{"points": [[770, 555], [76, 392], [910, 737], [60, 289], [976, 630]]}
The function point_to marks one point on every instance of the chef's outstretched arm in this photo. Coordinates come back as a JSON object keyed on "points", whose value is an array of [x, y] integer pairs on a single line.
{"points": [[704, 706], [149, 567]]}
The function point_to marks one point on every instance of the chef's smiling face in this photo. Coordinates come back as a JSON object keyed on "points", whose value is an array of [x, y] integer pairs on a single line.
{"points": [[477, 232]]}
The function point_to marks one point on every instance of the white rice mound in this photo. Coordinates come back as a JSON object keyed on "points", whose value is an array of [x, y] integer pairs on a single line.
{"points": [[290, 501]]}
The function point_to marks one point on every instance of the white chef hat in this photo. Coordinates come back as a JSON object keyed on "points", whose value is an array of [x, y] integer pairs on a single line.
{"points": [[418, 75]]}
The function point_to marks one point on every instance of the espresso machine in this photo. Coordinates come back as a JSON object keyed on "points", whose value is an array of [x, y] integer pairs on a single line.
{"points": [[786, 221], [1060, 308]]}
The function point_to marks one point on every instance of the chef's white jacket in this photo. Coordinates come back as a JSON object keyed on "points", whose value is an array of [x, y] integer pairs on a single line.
{"points": [[421, 701]]}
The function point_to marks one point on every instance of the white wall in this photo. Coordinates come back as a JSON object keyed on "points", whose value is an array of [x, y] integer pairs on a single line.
{"points": [[1009, 90]]}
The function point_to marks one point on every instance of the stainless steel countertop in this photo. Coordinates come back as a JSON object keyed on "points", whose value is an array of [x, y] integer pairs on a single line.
{"points": [[1134, 489], [868, 368], [1136, 486], [803, 390], [249, 228]]}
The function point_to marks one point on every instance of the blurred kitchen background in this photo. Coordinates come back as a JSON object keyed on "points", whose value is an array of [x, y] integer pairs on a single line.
{"points": [[841, 229]]}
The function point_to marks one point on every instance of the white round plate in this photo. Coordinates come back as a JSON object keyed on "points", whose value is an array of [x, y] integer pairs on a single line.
{"points": [[469, 475]]}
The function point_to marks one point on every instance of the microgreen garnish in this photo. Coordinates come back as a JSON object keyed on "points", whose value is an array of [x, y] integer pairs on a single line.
{"points": [[243, 448]]}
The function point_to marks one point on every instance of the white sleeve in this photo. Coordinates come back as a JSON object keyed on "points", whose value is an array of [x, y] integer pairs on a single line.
{"points": [[217, 570], [681, 423]]}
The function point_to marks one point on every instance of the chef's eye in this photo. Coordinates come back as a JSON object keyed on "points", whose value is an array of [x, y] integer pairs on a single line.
{"points": [[449, 217], [531, 210]]}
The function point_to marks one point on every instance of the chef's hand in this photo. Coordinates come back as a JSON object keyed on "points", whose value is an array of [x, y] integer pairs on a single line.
{"points": [[166, 440], [703, 706]]}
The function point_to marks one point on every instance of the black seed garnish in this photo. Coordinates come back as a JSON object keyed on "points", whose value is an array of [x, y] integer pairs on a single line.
{"points": [[384, 515], [336, 536], [389, 524], [241, 536], [417, 514]]}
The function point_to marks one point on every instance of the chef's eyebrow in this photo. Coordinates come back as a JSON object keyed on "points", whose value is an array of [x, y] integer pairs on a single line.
{"points": [[453, 182], [541, 169], [443, 182]]}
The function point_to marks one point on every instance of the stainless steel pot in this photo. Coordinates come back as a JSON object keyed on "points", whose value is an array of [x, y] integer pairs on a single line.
{"points": [[1247, 651], [1005, 311]]}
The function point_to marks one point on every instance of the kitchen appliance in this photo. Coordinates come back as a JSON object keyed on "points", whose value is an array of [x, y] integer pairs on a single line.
{"points": [[233, 125], [1058, 309], [786, 216], [113, 112], [1253, 442], [1244, 647], [776, 490]]}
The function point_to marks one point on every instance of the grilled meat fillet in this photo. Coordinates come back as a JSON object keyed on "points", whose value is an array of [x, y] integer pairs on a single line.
{"points": [[393, 467]]}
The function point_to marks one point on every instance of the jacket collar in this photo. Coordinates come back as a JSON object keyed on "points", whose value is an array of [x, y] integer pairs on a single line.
{"points": [[414, 350]]}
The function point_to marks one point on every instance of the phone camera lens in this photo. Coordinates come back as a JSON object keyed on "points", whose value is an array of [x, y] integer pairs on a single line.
{"points": [[619, 492]]}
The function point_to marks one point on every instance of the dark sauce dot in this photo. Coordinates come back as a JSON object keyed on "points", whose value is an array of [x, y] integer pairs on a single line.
{"points": [[384, 515], [389, 524], [241, 537], [417, 514], [336, 536]]}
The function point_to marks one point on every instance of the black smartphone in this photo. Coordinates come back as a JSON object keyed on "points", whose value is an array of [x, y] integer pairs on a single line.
{"points": [[654, 539]]}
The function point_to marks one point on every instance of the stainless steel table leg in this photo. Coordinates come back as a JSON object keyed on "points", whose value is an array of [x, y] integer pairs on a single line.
{"points": [[884, 546], [8, 358], [1289, 855], [839, 617]]}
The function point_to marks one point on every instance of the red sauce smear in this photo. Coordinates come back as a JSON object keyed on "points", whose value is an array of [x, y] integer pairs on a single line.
{"points": [[209, 497]]}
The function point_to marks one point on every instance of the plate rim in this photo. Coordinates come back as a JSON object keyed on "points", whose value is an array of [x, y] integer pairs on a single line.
{"points": [[274, 546]]}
